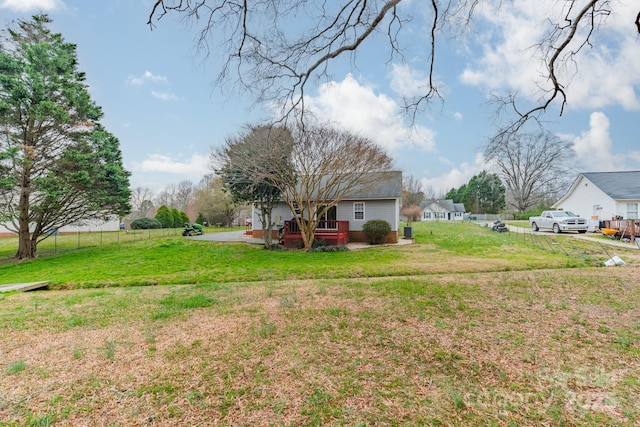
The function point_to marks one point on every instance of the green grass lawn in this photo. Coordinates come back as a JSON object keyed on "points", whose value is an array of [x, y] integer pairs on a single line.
{"points": [[440, 248], [465, 327]]}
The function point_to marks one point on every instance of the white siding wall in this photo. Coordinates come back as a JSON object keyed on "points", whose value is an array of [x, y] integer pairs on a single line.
{"points": [[588, 200], [622, 208], [279, 214], [387, 210], [96, 225], [457, 216], [437, 213]]}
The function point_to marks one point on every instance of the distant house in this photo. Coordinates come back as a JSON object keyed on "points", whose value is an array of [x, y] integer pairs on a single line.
{"points": [[442, 210], [343, 222], [603, 195], [110, 224]]}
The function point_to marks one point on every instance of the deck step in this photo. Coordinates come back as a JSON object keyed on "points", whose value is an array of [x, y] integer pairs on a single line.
{"points": [[23, 287]]}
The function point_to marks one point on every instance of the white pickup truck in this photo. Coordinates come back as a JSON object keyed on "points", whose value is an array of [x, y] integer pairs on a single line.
{"points": [[559, 221]]}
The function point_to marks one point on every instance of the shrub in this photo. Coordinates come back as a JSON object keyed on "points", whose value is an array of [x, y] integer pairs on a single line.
{"points": [[177, 218], [376, 231], [340, 248], [145, 224], [165, 217]]}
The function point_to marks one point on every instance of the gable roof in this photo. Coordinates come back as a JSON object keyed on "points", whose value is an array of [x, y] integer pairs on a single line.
{"points": [[624, 185], [446, 205], [388, 185]]}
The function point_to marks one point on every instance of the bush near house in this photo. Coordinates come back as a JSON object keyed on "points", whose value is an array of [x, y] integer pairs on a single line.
{"points": [[145, 224], [376, 231]]}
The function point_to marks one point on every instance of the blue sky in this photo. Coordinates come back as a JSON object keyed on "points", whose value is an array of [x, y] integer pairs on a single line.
{"points": [[157, 95]]}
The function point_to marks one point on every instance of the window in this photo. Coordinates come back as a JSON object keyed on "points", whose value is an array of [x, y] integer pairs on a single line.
{"points": [[427, 215], [358, 211], [632, 211]]}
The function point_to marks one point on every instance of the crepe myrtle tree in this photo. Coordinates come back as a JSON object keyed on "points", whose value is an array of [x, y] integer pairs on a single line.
{"points": [[329, 164], [58, 165], [326, 165], [268, 52]]}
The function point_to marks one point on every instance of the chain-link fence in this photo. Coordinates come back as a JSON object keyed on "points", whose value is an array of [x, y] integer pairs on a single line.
{"points": [[64, 242]]}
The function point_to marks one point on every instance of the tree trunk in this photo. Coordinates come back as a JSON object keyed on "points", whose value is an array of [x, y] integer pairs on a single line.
{"points": [[308, 233], [266, 227], [266, 235], [26, 245]]}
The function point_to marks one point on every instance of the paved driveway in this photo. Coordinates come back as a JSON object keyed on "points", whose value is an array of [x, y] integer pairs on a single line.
{"points": [[594, 237], [229, 236]]}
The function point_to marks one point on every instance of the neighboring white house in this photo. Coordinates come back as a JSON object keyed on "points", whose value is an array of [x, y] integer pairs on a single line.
{"points": [[442, 210], [380, 202], [603, 195], [111, 224]]}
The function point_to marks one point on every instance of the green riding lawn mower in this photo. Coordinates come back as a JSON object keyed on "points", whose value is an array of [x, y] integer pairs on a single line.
{"points": [[192, 230]]}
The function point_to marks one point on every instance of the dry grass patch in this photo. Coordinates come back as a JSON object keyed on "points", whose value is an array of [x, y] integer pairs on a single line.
{"points": [[511, 348]]}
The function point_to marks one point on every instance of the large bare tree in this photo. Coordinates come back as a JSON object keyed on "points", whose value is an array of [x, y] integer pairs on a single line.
{"points": [[184, 194], [215, 204], [534, 166], [141, 201], [412, 196], [328, 165], [269, 51]]}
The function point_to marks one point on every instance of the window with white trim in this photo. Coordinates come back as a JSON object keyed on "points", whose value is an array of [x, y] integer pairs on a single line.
{"points": [[632, 211], [358, 211], [427, 215]]}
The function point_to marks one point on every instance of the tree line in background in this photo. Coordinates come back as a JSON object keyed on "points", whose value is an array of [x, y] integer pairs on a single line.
{"points": [[205, 203]]}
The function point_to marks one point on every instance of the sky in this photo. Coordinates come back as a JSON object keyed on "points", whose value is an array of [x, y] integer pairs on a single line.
{"points": [[158, 96]]}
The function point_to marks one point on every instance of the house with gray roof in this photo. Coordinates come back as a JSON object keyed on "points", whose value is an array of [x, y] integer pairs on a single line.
{"points": [[603, 195], [343, 222], [442, 210]]}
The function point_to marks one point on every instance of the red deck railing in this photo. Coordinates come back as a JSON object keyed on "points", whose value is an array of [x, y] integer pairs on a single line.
{"points": [[332, 232]]}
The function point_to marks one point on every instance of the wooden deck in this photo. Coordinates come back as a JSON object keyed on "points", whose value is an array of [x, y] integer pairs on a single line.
{"points": [[621, 228], [332, 232]]}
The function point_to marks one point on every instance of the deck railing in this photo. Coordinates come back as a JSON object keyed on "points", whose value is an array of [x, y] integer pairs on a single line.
{"points": [[627, 228], [291, 227]]}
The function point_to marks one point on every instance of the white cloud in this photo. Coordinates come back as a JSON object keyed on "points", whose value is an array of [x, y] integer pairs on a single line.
{"points": [[164, 96], [356, 107], [607, 73], [593, 147], [407, 81], [455, 177], [595, 151], [31, 5], [147, 77], [196, 166]]}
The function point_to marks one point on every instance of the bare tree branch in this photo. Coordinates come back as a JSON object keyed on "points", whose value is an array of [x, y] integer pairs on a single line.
{"points": [[268, 52]]}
